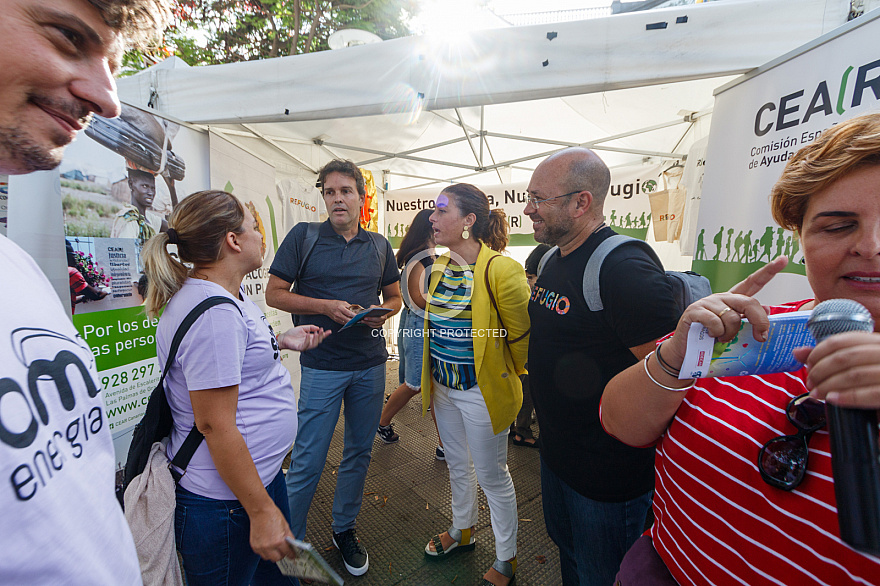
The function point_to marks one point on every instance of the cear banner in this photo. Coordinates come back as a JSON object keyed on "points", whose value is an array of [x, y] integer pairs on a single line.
{"points": [[627, 208], [757, 125], [626, 205], [401, 207], [119, 182], [123, 342]]}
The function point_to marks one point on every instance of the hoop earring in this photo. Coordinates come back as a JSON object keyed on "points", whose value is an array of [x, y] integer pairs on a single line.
{"points": [[464, 233]]}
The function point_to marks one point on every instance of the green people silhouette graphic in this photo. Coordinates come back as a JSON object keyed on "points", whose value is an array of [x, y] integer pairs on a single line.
{"points": [[743, 248], [747, 247], [737, 248], [628, 221], [766, 243], [701, 246], [718, 239]]}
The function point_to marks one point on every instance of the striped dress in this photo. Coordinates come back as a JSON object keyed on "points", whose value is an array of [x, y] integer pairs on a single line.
{"points": [[451, 343], [718, 522]]}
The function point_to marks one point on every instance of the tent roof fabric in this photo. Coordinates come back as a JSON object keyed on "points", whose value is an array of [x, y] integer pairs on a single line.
{"points": [[511, 89]]}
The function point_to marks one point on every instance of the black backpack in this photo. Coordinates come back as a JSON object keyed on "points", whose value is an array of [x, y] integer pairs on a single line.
{"points": [[308, 244], [157, 422], [687, 286]]}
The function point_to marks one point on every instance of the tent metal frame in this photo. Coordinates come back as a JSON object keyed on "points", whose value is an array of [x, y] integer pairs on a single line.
{"points": [[479, 150]]}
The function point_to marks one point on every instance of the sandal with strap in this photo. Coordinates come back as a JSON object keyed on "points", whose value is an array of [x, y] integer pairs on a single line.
{"points": [[506, 569], [464, 541]]}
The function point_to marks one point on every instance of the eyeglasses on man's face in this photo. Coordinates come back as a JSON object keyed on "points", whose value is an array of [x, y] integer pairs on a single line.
{"points": [[535, 202]]}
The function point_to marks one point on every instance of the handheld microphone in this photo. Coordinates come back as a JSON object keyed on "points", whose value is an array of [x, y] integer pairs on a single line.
{"points": [[855, 455]]}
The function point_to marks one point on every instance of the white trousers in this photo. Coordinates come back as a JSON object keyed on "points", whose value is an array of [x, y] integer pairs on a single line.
{"points": [[474, 452]]}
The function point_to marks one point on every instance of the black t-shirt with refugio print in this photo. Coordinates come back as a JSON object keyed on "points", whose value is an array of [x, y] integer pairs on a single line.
{"points": [[574, 352]]}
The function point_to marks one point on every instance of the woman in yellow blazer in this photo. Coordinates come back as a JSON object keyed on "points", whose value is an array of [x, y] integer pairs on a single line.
{"points": [[475, 347]]}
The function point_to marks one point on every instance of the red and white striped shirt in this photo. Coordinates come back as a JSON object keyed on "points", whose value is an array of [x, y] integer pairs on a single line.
{"points": [[718, 522]]}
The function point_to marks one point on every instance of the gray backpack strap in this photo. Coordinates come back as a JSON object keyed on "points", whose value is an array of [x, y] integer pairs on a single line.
{"points": [[543, 262], [687, 286], [592, 295]]}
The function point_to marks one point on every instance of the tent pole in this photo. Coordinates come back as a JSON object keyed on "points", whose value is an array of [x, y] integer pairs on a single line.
{"points": [[328, 151], [393, 155], [636, 151], [281, 139], [482, 130], [231, 140], [589, 143], [467, 134], [595, 144], [433, 180], [492, 156], [684, 134], [598, 148], [483, 135], [412, 151], [262, 136], [690, 118]]}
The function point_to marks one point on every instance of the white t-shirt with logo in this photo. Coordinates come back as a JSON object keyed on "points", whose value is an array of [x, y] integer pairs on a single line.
{"points": [[60, 522]]}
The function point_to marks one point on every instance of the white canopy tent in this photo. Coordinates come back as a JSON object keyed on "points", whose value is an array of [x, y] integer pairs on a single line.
{"points": [[485, 107]]}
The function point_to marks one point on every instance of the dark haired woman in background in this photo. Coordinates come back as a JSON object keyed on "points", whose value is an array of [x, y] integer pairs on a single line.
{"points": [[228, 380], [475, 346], [416, 254]]}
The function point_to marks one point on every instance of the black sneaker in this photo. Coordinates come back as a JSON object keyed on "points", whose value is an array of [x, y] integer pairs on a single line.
{"points": [[354, 556], [386, 434], [440, 453]]}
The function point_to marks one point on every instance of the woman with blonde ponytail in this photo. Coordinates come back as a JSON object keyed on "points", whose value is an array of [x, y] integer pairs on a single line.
{"points": [[475, 345], [227, 379]]}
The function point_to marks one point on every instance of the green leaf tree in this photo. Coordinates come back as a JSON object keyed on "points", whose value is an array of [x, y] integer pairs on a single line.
{"points": [[209, 32]]}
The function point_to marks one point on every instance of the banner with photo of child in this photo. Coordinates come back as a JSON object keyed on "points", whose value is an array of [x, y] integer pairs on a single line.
{"points": [[120, 180]]}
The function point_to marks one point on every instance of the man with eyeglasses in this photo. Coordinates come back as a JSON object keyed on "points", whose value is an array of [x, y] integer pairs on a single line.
{"points": [[596, 490]]}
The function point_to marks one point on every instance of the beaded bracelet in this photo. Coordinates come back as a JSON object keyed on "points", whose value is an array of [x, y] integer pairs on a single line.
{"points": [[667, 368], [661, 385]]}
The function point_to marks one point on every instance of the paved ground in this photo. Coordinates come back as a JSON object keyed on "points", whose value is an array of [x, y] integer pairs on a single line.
{"points": [[406, 501]]}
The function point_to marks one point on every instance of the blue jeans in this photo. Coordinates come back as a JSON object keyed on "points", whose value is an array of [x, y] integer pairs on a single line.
{"points": [[592, 536], [409, 341], [321, 393], [213, 538]]}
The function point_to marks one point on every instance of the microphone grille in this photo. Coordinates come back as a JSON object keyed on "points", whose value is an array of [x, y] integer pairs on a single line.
{"points": [[836, 316]]}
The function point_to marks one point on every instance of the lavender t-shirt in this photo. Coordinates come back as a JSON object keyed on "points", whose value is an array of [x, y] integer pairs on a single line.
{"points": [[222, 349]]}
